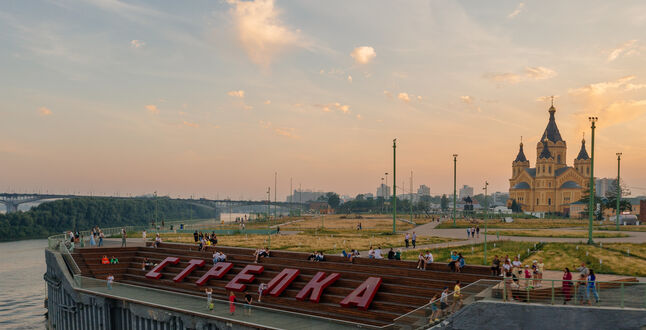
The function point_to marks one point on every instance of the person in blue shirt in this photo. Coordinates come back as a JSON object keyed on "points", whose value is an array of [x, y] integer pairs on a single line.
{"points": [[592, 288]]}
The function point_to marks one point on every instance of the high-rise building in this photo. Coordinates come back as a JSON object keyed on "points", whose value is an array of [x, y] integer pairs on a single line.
{"points": [[305, 195], [423, 190], [465, 191], [383, 191]]}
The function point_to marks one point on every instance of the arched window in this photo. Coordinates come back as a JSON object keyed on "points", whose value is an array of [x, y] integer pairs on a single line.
{"points": [[587, 170], [550, 169], [549, 201], [558, 159], [536, 201]]}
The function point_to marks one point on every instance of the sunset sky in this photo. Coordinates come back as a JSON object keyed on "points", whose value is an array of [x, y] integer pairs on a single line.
{"points": [[210, 98]]}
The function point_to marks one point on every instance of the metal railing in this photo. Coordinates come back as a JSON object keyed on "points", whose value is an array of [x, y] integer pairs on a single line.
{"points": [[425, 316], [619, 294], [253, 315]]}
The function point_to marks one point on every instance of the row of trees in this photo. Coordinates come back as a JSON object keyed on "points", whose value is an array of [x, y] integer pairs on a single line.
{"points": [[84, 213]]}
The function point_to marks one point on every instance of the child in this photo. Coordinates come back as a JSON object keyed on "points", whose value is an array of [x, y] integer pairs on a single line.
{"points": [[261, 288], [110, 280], [528, 277], [209, 298], [435, 312]]}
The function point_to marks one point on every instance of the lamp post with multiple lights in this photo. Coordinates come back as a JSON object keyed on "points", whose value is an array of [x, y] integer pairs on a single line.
{"points": [[591, 206], [618, 186], [455, 162]]}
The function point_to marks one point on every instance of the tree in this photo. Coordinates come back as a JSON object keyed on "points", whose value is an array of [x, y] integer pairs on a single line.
{"points": [[515, 207], [444, 203], [333, 199]]}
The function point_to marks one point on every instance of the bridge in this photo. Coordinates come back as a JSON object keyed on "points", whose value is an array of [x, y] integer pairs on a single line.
{"points": [[12, 200]]}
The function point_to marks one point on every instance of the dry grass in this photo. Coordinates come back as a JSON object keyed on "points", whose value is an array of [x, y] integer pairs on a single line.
{"points": [[517, 224], [559, 233], [327, 241], [621, 228], [368, 222], [557, 256], [474, 254], [629, 249]]}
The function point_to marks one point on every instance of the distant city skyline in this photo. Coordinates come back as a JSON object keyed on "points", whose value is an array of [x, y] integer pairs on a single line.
{"points": [[212, 98]]}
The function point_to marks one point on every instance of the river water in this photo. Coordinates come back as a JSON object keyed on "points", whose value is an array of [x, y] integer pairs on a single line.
{"points": [[22, 288]]}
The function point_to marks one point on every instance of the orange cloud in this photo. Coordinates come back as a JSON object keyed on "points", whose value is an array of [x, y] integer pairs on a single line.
{"points": [[190, 124], [628, 48], [286, 132], [238, 93], [363, 55], [44, 111], [152, 109]]}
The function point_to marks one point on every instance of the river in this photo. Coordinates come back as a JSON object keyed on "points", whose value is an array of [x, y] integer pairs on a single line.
{"points": [[22, 288]]}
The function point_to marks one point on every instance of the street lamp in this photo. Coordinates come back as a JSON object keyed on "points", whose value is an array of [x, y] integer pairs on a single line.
{"points": [[618, 186], [485, 221], [383, 193], [455, 162], [268, 222], [593, 121], [394, 185]]}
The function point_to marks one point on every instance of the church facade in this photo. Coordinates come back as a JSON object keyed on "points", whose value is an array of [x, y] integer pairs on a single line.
{"points": [[551, 186]]}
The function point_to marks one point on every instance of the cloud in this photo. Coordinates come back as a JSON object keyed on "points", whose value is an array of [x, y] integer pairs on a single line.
{"points": [[404, 97], [363, 55], [466, 99], [359, 117], [388, 94], [349, 78], [530, 73], [546, 98], [628, 48], [517, 11], [286, 132], [152, 109], [334, 106], [621, 111], [238, 94], [190, 124], [268, 102], [44, 111], [260, 31], [137, 43], [265, 124], [605, 86]]}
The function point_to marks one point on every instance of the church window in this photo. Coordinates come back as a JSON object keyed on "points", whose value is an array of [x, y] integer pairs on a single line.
{"points": [[549, 201], [536, 201], [587, 170], [549, 185], [543, 169], [550, 169]]}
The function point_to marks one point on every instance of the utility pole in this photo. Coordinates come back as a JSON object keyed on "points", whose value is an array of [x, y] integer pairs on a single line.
{"points": [[384, 193], [156, 206], [485, 221], [411, 196], [618, 186], [300, 198], [291, 196], [275, 184], [394, 185], [455, 162], [591, 205]]}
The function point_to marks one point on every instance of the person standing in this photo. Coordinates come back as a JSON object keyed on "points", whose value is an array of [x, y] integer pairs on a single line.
{"points": [[247, 301], [566, 286], [232, 303], [495, 266], [406, 238], [478, 231], [468, 233], [110, 280], [92, 241], [414, 239], [143, 235], [592, 288], [123, 237], [457, 297], [261, 288], [209, 298], [101, 236]]}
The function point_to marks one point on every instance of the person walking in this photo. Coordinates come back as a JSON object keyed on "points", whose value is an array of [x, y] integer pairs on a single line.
{"points": [[209, 298], [92, 241], [468, 233], [123, 237], [406, 238], [566, 286], [457, 297], [478, 231], [592, 288], [414, 239], [143, 235], [110, 280], [101, 236]]}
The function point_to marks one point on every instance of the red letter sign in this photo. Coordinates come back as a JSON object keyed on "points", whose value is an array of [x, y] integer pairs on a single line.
{"points": [[279, 283], [194, 263], [155, 272], [362, 296], [217, 271], [316, 285], [244, 276]]}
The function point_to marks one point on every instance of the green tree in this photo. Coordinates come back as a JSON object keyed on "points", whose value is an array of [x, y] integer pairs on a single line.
{"points": [[515, 207], [444, 203], [333, 199]]}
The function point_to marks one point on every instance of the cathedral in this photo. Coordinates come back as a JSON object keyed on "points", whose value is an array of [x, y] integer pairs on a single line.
{"points": [[552, 185]]}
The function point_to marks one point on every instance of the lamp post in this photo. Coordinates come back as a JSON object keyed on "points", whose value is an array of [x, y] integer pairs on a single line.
{"points": [[455, 162], [268, 222], [485, 221], [394, 186], [384, 193], [591, 205], [618, 186]]}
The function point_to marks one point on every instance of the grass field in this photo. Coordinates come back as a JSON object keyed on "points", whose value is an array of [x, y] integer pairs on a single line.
{"points": [[329, 241], [382, 223], [559, 233], [629, 249], [517, 224], [621, 228], [473, 254]]}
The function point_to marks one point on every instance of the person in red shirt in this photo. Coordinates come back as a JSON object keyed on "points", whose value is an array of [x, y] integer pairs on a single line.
{"points": [[105, 260], [232, 305]]}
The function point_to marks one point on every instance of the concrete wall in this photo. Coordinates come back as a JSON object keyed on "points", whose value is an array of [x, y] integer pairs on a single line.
{"points": [[494, 315], [69, 309]]}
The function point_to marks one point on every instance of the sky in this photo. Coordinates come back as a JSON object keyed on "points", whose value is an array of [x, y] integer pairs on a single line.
{"points": [[212, 98]]}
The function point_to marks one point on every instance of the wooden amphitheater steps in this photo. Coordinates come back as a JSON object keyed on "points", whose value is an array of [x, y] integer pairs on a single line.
{"points": [[403, 288]]}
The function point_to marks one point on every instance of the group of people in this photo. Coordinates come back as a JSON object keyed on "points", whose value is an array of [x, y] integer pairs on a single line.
{"points": [[456, 262], [205, 239], [424, 259], [514, 271], [585, 286], [147, 263], [210, 303], [412, 238], [474, 232], [316, 256], [96, 237], [219, 257], [106, 261], [444, 308]]}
